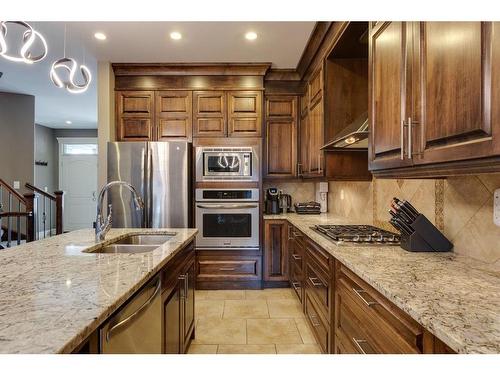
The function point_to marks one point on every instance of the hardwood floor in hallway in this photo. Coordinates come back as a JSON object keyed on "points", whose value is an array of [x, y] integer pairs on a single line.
{"points": [[268, 321]]}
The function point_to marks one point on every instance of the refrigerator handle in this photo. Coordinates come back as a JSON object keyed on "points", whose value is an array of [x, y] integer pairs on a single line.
{"points": [[149, 187]]}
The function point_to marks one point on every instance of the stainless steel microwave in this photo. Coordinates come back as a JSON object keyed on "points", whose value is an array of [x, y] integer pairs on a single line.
{"points": [[227, 164]]}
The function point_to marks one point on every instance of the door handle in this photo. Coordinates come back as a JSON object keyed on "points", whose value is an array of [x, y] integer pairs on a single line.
{"points": [[402, 136], [296, 257], [366, 302], [315, 283], [222, 206], [410, 152], [136, 312]]}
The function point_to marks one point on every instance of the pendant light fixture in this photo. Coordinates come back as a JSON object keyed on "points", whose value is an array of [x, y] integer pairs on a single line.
{"points": [[70, 66], [29, 38]]}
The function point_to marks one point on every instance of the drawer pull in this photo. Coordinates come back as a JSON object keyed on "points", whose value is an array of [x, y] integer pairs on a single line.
{"points": [[359, 344], [315, 283], [296, 257], [296, 285], [296, 234], [226, 269], [314, 321], [360, 295]]}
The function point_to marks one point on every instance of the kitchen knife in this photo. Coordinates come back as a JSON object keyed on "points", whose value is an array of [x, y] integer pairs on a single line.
{"points": [[411, 208]]}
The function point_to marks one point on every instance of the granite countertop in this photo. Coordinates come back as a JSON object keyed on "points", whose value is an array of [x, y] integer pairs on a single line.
{"points": [[53, 295], [454, 297]]}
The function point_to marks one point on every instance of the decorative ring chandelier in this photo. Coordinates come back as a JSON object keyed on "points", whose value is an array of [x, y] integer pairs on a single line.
{"points": [[29, 38], [70, 66]]}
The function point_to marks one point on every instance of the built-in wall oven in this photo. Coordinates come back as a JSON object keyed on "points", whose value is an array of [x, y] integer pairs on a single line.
{"points": [[227, 218], [227, 164]]}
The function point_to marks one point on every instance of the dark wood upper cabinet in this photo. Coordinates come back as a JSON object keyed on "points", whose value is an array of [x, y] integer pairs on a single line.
{"points": [[434, 89], [388, 99], [209, 114], [453, 119], [281, 137], [304, 141], [244, 113], [174, 115], [134, 115]]}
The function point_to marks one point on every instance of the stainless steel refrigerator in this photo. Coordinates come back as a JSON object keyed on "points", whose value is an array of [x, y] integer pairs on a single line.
{"points": [[160, 171]]}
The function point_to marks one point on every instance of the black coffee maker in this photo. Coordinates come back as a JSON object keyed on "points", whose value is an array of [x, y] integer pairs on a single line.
{"points": [[272, 201]]}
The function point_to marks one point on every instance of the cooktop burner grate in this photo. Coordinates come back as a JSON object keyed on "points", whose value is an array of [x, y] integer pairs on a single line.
{"points": [[358, 234]]}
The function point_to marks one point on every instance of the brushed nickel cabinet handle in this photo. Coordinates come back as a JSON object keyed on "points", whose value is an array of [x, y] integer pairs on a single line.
{"points": [[314, 283], [359, 293], [296, 257], [314, 321], [299, 169], [183, 290], [402, 139], [410, 152], [296, 285], [226, 269], [358, 343]]}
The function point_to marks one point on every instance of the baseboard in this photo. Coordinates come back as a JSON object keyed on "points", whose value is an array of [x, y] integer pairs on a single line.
{"points": [[276, 284], [228, 285]]}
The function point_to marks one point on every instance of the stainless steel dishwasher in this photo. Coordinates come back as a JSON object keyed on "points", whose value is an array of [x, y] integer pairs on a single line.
{"points": [[135, 327]]}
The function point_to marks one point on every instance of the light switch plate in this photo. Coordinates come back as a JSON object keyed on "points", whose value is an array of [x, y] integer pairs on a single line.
{"points": [[496, 207], [17, 185]]}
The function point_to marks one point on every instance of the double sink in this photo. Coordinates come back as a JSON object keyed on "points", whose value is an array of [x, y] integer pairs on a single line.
{"points": [[134, 244]]}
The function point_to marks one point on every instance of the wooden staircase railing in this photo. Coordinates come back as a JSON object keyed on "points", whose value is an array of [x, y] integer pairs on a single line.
{"points": [[32, 212], [43, 205]]}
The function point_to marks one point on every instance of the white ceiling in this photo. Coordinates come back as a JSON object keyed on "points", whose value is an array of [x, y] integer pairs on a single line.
{"points": [[280, 43]]}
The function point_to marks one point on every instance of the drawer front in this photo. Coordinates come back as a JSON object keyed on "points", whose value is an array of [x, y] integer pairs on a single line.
{"points": [[320, 256], [296, 281], [318, 284], [296, 255], [320, 326], [350, 335], [226, 269], [392, 329]]}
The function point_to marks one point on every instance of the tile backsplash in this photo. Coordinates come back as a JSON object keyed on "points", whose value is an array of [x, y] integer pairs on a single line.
{"points": [[300, 191], [462, 207]]}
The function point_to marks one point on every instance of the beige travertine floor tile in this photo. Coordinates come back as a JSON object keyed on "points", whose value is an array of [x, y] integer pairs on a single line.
{"points": [[272, 331], [275, 293], [220, 331], [285, 308], [209, 308], [225, 294], [247, 349], [245, 309], [202, 349], [305, 331], [298, 349], [200, 295]]}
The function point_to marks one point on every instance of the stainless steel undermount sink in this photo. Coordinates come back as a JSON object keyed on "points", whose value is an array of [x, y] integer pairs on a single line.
{"points": [[145, 239], [134, 244]]}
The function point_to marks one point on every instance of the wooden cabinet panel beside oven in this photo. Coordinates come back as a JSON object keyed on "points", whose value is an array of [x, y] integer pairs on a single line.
{"points": [[275, 250], [281, 137], [173, 115], [134, 115], [244, 113], [434, 89]]}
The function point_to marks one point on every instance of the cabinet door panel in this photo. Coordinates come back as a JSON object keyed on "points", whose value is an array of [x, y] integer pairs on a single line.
{"points": [[209, 112], [174, 115], [387, 76], [316, 139], [281, 148], [276, 250], [245, 113], [455, 90], [134, 115]]}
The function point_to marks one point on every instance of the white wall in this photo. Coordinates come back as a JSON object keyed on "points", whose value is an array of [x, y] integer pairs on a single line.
{"points": [[105, 116]]}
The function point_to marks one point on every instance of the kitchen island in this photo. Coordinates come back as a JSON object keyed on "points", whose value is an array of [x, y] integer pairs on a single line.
{"points": [[55, 292], [455, 298]]}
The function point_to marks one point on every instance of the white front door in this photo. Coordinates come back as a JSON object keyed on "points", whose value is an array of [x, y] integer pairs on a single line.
{"points": [[78, 180]]}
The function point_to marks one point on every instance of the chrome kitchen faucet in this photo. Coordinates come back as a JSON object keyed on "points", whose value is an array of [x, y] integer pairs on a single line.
{"points": [[102, 226]]}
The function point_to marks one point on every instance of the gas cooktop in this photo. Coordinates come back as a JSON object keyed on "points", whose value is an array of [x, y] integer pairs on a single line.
{"points": [[357, 234]]}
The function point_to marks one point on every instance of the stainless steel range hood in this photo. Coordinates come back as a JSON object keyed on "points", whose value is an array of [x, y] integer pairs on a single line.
{"points": [[353, 137]]}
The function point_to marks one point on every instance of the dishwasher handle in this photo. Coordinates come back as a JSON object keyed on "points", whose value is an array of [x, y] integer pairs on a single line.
{"points": [[136, 312]]}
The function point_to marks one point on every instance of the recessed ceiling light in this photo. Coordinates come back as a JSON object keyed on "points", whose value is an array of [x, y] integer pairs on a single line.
{"points": [[100, 36], [68, 122], [175, 35], [251, 35]]}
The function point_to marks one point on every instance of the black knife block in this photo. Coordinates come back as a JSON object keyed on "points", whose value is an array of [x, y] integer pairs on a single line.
{"points": [[426, 237]]}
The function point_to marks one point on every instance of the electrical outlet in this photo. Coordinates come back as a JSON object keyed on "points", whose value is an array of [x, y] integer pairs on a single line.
{"points": [[17, 185], [496, 208]]}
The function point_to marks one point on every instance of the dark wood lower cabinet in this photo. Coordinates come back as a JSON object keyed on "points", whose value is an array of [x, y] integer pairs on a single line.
{"points": [[275, 251], [346, 314], [228, 269], [171, 319]]}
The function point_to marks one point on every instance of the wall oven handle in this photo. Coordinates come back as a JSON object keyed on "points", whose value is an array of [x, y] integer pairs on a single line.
{"points": [[222, 206], [136, 312]]}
